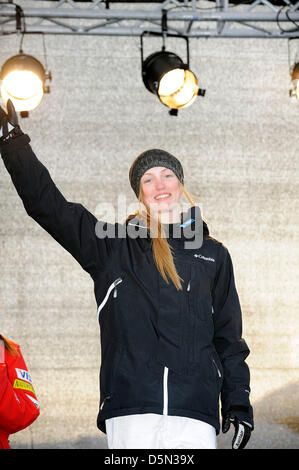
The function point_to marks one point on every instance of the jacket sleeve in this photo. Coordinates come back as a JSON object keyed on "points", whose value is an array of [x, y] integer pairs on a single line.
{"points": [[230, 346], [18, 403], [70, 224]]}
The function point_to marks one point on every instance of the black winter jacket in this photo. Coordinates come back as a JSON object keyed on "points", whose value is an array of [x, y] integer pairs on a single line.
{"points": [[162, 350]]}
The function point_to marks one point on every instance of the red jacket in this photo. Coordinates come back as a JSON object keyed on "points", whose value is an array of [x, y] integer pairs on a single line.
{"points": [[18, 403]]}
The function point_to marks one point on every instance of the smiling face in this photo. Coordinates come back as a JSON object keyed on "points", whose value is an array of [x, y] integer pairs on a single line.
{"points": [[161, 189]]}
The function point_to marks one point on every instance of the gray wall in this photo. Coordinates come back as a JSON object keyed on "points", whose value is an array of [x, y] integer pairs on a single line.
{"points": [[239, 149]]}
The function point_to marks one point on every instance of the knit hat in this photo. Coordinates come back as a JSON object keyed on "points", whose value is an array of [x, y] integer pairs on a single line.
{"points": [[149, 159]]}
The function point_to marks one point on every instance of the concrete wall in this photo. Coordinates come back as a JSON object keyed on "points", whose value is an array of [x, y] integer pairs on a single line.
{"points": [[239, 148]]}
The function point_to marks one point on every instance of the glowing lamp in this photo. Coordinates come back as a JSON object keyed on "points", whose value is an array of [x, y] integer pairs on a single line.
{"points": [[23, 81], [165, 75]]}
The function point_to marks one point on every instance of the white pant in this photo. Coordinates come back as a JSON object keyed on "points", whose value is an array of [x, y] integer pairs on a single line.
{"points": [[153, 431]]}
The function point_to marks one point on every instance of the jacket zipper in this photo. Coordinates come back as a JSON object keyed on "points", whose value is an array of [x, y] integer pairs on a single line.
{"points": [[165, 391], [104, 401], [112, 286], [217, 369]]}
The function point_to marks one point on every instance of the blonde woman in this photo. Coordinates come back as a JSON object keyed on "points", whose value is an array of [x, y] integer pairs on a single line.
{"points": [[168, 309]]}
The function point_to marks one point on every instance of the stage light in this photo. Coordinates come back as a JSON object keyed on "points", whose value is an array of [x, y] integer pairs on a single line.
{"points": [[165, 75], [23, 81]]}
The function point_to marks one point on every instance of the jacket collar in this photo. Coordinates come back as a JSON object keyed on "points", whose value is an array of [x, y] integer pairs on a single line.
{"points": [[191, 224], [191, 221]]}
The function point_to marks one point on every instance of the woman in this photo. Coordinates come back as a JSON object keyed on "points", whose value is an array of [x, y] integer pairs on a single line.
{"points": [[168, 308], [18, 403]]}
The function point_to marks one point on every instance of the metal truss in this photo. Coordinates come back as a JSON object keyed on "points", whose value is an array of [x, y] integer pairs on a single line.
{"points": [[189, 18]]}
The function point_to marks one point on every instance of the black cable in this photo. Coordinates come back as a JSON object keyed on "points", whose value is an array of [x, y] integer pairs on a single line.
{"points": [[286, 30], [290, 19], [19, 16]]}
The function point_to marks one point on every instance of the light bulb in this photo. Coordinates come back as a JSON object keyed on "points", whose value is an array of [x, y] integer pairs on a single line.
{"points": [[24, 88], [178, 88]]}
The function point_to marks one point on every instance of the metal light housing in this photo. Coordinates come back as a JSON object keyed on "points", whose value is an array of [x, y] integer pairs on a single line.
{"points": [[23, 81], [165, 75]]}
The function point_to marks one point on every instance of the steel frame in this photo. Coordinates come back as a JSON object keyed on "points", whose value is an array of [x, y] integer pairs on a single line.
{"points": [[189, 18]]}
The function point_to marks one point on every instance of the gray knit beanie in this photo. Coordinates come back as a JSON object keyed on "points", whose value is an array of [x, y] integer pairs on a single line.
{"points": [[149, 159]]}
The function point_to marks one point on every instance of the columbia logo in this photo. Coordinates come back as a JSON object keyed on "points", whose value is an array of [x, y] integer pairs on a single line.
{"points": [[204, 257]]}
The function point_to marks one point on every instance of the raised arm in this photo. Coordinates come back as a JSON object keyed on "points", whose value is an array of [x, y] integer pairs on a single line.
{"points": [[69, 223]]}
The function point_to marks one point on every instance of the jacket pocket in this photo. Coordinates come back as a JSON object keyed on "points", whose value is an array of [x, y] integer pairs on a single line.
{"points": [[217, 371], [108, 293], [199, 294], [197, 327], [202, 308], [111, 355], [105, 401]]}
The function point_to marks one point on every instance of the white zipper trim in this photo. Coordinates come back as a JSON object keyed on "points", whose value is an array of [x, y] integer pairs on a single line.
{"points": [[165, 391], [112, 286], [217, 368], [104, 401], [137, 225]]}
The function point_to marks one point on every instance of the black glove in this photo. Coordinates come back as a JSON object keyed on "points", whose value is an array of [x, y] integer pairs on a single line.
{"points": [[9, 124], [242, 430]]}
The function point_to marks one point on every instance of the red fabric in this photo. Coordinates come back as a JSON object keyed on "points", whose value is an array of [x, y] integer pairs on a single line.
{"points": [[17, 410]]}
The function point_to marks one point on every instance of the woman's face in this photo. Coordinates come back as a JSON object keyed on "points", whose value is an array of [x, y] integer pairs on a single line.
{"points": [[161, 189]]}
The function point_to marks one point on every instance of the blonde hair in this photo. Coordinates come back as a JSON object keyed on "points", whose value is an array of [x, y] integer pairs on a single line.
{"points": [[162, 251], [9, 346]]}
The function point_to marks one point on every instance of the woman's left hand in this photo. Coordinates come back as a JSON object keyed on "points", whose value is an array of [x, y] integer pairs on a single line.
{"points": [[9, 124]]}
